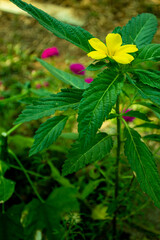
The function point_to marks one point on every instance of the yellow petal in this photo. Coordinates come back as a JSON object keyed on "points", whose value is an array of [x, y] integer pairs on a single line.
{"points": [[97, 44], [123, 58], [129, 48], [113, 42], [97, 54]]}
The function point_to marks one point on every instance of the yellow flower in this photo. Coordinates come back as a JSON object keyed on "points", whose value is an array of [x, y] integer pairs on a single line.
{"points": [[112, 49]]}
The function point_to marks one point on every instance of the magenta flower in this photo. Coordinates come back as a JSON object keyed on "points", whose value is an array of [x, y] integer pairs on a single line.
{"points": [[128, 118], [49, 52], [88, 80], [38, 85], [46, 84], [77, 68], [1, 97]]}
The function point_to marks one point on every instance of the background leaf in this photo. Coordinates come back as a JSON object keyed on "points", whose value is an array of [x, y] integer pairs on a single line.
{"points": [[136, 114], [152, 137], [76, 35], [10, 226], [151, 52], [46, 217], [65, 77], [78, 158], [140, 30], [149, 125], [67, 98], [97, 103], [48, 132], [151, 106], [142, 163], [151, 78], [6, 189], [146, 92]]}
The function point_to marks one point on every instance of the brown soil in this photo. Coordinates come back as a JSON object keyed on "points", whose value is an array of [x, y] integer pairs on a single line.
{"points": [[101, 17]]}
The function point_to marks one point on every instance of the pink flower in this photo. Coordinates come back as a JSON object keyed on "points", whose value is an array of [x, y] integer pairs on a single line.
{"points": [[49, 52], [77, 68], [88, 80], [1, 97], [38, 85], [46, 84], [128, 118]]}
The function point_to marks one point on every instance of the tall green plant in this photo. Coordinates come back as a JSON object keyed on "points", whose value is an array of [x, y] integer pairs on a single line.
{"points": [[94, 102]]}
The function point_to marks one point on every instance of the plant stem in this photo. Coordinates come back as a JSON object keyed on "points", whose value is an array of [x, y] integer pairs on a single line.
{"points": [[27, 176], [13, 129], [117, 169]]}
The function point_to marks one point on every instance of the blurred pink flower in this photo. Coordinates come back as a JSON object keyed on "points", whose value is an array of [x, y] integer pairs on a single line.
{"points": [[128, 118], [1, 97], [46, 84], [49, 52], [88, 80], [1, 83], [77, 68], [38, 85]]}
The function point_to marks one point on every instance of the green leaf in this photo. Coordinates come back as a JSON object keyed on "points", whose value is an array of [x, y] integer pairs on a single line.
{"points": [[78, 158], [48, 132], [10, 226], [68, 98], [151, 78], [90, 188], [140, 30], [136, 114], [146, 92], [152, 137], [149, 92], [76, 35], [96, 66], [46, 217], [97, 103], [142, 163], [148, 125], [67, 78], [3, 167], [150, 52], [6, 189], [151, 106]]}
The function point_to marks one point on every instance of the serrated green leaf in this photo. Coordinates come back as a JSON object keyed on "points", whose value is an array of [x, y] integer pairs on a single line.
{"points": [[146, 92], [78, 158], [150, 52], [142, 163], [97, 103], [76, 35], [148, 125], [152, 137], [46, 217], [151, 78], [151, 106], [136, 114], [149, 92], [140, 30], [67, 98], [64, 76], [10, 226], [48, 132], [6, 189]]}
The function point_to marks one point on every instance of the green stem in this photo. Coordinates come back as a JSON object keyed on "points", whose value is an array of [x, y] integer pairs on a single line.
{"points": [[117, 169], [13, 129], [28, 171], [27, 176]]}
